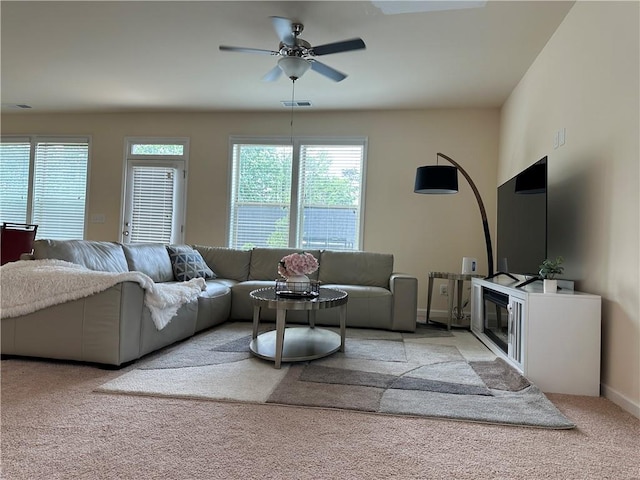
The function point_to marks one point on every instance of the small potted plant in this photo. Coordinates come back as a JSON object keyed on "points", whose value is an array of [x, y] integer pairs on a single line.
{"points": [[548, 271]]}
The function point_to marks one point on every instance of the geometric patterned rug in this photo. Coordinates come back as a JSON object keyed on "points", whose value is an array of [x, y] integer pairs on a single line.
{"points": [[431, 373]]}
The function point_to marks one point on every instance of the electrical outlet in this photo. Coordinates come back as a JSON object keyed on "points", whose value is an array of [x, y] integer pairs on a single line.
{"points": [[444, 290]]}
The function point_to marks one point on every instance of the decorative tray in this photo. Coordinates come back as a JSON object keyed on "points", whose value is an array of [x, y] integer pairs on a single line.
{"points": [[290, 294], [301, 290]]}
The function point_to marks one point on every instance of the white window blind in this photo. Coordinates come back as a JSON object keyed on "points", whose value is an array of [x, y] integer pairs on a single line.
{"points": [[330, 192], [53, 196], [59, 189], [305, 195], [14, 181], [152, 204], [261, 195]]}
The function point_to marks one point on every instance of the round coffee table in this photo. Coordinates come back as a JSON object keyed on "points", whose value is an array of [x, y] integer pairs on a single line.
{"points": [[297, 344]]}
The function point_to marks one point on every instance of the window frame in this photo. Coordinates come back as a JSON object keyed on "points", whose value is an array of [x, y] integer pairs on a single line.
{"points": [[295, 224], [33, 141]]}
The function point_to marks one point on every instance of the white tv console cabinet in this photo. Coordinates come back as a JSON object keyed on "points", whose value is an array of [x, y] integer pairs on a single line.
{"points": [[553, 338]]}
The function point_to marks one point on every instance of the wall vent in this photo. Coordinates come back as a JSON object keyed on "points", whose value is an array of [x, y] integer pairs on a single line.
{"points": [[296, 103], [16, 105]]}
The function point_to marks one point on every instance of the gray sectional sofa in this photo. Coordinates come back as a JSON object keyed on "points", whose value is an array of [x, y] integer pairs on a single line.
{"points": [[114, 326]]}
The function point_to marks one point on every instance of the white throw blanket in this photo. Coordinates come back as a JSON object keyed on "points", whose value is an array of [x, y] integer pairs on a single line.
{"points": [[30, 285]]}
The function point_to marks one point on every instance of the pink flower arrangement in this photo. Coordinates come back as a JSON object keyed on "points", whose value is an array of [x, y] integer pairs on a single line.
{"points": [[297, 264]]}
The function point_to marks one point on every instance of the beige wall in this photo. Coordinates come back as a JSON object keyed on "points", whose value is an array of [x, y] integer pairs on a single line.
{"points": [[424, 232], [586, 80]]}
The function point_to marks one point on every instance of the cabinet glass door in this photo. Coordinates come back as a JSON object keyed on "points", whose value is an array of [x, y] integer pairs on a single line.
{"points": [[496, 317]]}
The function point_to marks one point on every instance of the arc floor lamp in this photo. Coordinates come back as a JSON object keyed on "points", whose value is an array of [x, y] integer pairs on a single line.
{"points": [[443, 179]]}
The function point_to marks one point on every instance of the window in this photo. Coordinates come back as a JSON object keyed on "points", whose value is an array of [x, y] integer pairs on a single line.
{"points": [[304, 194], [155, 190], [44, 181]]}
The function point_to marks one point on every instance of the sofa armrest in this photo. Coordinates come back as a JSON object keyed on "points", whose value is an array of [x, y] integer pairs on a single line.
{"points": [[102, 328], [405, 301]]}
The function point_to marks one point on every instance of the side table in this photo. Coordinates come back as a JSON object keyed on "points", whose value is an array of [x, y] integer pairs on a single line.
{"points": [[453, 279]]}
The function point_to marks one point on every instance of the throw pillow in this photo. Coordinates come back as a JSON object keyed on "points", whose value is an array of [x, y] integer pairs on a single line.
{"points": [[187, 263]]}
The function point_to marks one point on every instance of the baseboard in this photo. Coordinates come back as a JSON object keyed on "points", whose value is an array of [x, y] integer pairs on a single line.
{"points": [[621, 400], [422, 313]]}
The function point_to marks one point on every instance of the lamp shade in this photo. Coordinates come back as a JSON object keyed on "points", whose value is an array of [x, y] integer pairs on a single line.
{"points": [[436, 179], [294, 67]]}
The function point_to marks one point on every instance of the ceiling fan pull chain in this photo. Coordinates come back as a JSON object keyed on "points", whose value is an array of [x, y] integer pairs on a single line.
{"points": [[293, 95]]}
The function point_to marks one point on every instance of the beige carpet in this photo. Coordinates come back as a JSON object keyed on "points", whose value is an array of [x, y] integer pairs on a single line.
{"points": [[425, 373], [54, 426]]}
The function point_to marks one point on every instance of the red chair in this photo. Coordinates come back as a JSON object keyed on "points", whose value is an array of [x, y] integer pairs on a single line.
{"points": [[16, 239]]}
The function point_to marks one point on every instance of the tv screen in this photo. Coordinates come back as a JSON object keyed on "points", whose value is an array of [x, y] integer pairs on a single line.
{"points": [[522, 221]]}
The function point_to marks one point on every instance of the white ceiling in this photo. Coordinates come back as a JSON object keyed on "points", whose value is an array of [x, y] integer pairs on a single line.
{"points": [[163, 56]]}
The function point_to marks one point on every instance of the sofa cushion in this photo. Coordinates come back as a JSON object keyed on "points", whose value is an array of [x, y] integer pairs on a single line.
{"points": [[242, 307], [99, 256], [228, 263], [368, 307], [356, 268], [214, 304], [264, 262], [187, 263], [152, 259]]}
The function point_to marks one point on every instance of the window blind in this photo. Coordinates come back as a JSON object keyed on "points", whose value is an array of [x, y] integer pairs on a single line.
{"points": [[60, 189], [14, 181], [330, 191], [261, 195], [152, 204]]}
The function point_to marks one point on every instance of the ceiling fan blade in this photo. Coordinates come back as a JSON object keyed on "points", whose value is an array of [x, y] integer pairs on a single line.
{"points": [[327, 71], [273, 74], [284, 30], [226, 48], [337, 47]]}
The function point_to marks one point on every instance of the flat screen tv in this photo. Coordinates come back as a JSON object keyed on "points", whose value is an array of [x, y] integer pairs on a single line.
{"points": [[522, 221]]}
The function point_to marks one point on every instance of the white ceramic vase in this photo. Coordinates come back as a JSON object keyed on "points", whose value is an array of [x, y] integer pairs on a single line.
{"points": [[550, 286], [298, 283]]}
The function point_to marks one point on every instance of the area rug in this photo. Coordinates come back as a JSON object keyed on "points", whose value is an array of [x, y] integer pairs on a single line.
{"points": [[429, 373]]}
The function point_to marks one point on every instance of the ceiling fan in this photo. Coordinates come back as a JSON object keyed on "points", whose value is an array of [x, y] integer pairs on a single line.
{"points": [[297, 55]]}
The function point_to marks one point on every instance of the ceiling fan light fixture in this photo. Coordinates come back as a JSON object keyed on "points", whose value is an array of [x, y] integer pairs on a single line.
{"points": [[294, 67]]}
